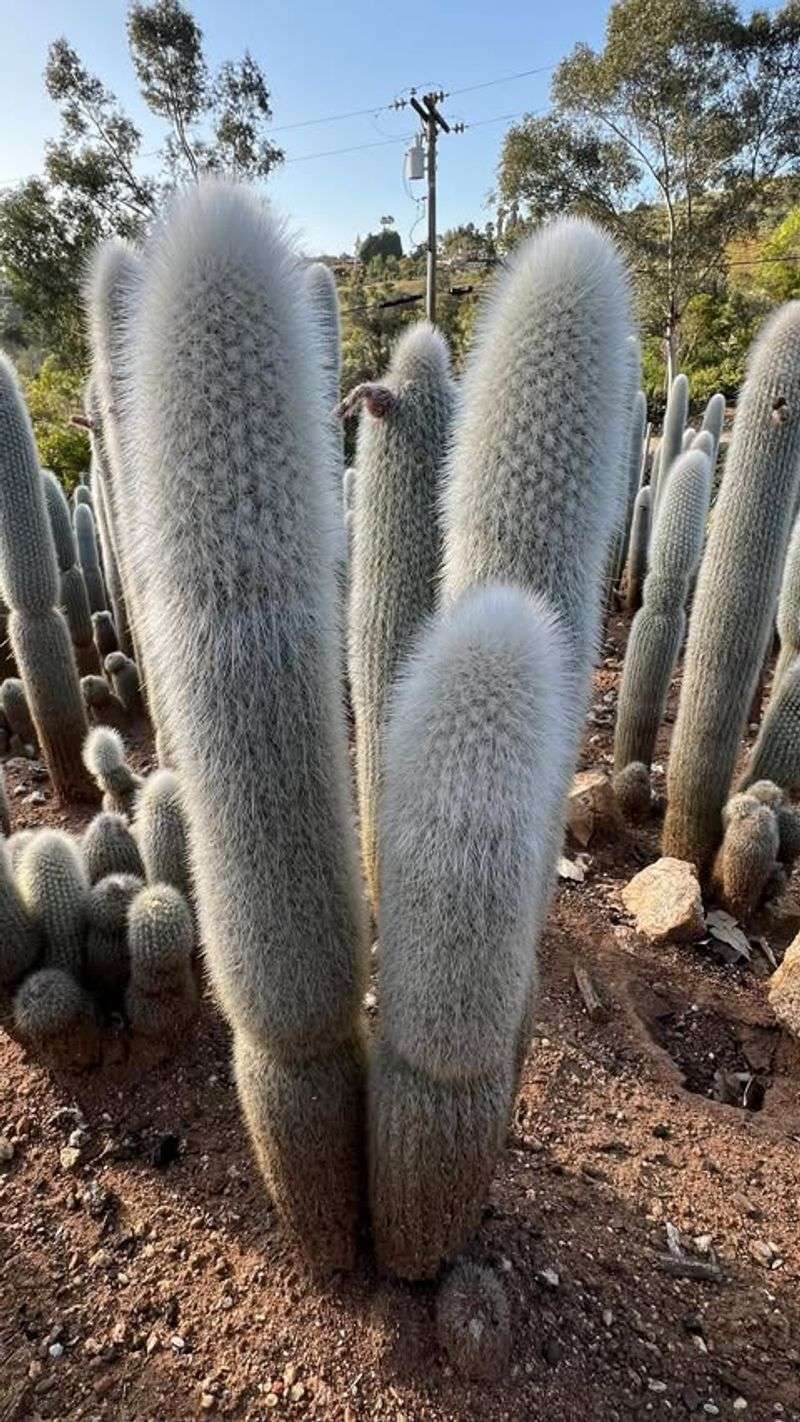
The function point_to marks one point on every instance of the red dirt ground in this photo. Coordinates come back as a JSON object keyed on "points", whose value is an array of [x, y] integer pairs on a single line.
{"points": [[150, 1281]]}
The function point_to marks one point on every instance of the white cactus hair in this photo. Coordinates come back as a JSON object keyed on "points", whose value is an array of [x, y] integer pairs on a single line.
{"points": [[103, 752], [570, 273], [239, 618], [478, 762]]}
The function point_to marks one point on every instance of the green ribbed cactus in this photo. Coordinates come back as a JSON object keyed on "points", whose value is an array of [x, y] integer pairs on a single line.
{"points": [[107, 959], [736, 591], [17, 712], [102, 706], [240, 617], [125, 680], [29, 584], [54, 887], [161, 998], [161, 832], [86, 540], [658, 629], [21, 942], [479, 753], [776, 753], [54, 1014], [73, 597], [110, 848], [105, 635], [104, 754], [396, 544], [675, 417], [748, 856]]}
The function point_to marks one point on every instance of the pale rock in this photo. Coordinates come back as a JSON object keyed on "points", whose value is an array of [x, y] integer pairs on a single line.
{"points": [[666, 902]]}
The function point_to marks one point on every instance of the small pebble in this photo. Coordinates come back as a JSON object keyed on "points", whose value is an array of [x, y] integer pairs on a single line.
{"points": [[56, 1350], [6, 1150]]}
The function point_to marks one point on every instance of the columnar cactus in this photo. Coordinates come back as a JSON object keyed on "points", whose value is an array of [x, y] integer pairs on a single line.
{"points": [[324, 299], [714, 422], [689, 437], [15, 707], [86, 539], [125, 680], [53, 1013], [15, 845], [110, 848], [638, 546], [105, 635], [776, 753], [111, 572], [788, 619], [73, 597], [81, 494], [479, 753], [161, 997], [161, 832], [749, 853], [104, 754], [21, 940], [29, 584], [675, 417], [659, 626], [238, 613], [635, 454], [737, 590], [102, 706], [54, 886], [107, 959], [396, 544]]}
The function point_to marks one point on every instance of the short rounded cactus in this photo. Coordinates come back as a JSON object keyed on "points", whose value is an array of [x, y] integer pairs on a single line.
{"points": [[161, 997], [633, 791], [161, 832], [102, 706], [54, 1014], [748, 855], [105, 635], [21, 939], [473, 1321], [16, 711], [110, 848], [107, 959], [15, 845], [104, 754], [124, 675], [54, 887]]}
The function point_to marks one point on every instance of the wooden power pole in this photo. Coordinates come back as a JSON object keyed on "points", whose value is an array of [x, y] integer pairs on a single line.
{"points": [[432, 121]]}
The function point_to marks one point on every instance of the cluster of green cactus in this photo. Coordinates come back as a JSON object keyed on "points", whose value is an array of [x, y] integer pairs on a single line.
{"points": [[73, 597], [87, 927], [737, 591], [760, 844]]}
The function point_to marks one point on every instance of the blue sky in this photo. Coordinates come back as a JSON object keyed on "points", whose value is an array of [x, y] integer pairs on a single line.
{"points": [[323, 59]]}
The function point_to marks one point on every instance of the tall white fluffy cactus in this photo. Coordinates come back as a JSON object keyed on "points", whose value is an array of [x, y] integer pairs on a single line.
{"points": [[225, 372], [478, 754], [395, 544], [737, 590], [672, 436], [487, 721], [658, 628]]}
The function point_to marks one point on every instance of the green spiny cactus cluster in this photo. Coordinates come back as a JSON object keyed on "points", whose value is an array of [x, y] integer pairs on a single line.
{"points": [[736, 591], [104, 754], [107, 960], [748, 855], [161, 996], [102, 706], [658, 629], [54, 886], [124, 675], [110, 848], [21, 940], [396, 544], [54, 1014], [73, 597], [161, 832], [15, 707], [672, 436], [30, 586], [105, 635]]}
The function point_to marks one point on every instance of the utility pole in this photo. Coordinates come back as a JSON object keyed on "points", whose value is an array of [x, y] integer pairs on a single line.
{"points": [[432, 121]]}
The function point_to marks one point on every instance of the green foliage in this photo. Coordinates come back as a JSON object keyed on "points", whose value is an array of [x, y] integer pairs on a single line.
{"points": [[53, 395], [383, 244], [779, 273], [92, 188]]}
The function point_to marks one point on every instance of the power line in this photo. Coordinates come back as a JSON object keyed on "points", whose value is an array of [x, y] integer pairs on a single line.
{"points": [[506, 79], [356, 148]]}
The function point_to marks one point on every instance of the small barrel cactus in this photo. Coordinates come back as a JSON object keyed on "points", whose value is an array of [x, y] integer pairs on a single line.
{"points": [[110, 848], [102, 706], [105, 635], [17, 712], [473, 1321], [161, 997], [21, 940], [54, 887], [125, 680], [53, 1013], [748, 855], [107, 959], [104, 754]]}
